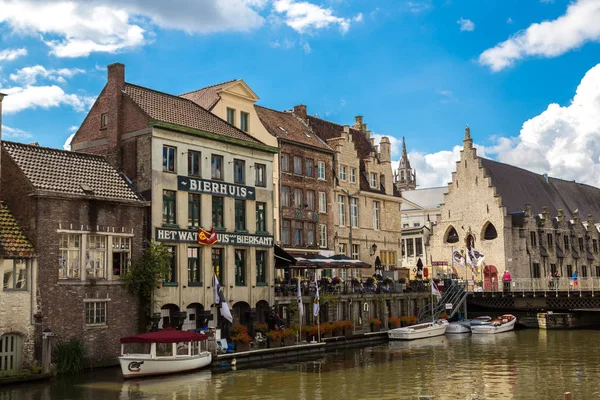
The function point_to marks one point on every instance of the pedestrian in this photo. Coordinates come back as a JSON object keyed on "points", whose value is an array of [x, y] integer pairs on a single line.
{"points": [[550, 281], [575, 279], [506, 278]]}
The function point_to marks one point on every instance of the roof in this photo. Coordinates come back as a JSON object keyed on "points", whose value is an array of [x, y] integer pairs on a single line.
{"points": [[518, 187], [183, 112], [427, 198], [207, 97], [168, 335], [13, 240], [286, 126], [68, 172]]}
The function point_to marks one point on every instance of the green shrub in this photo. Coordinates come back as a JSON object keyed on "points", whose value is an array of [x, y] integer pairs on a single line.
{"points": [[68, 357]]}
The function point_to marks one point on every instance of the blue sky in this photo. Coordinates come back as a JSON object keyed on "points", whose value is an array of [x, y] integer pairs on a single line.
{"points": [[420, 68]]}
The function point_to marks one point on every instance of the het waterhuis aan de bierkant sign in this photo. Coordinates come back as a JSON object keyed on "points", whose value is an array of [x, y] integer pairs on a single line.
{"points": [[224, 238], [194, 185]]}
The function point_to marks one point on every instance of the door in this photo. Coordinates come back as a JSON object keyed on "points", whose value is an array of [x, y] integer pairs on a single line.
{"points": [[490, 278], [10, 354]]}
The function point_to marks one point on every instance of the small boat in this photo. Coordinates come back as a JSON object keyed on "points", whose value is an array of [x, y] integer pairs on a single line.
{"points": [[163, 352], [420, 331], [465, 325], [503, 323]]}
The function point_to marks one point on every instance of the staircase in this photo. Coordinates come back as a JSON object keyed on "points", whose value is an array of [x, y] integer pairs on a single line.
{"points": [[453, 293]]}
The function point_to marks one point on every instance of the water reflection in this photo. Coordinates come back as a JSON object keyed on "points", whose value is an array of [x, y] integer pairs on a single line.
{"points": [[514, 365]]}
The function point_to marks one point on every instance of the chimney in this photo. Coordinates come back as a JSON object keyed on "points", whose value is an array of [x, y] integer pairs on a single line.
{"points": [[358, 124], [114, 87], [300, 111], [385, 150]]}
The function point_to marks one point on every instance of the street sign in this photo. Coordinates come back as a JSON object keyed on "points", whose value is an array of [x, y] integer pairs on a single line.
{"points": [[448, 306], [439, 263]]}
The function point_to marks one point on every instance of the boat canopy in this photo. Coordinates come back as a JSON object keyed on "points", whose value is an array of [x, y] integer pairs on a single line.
{"points": [[168, 335]]}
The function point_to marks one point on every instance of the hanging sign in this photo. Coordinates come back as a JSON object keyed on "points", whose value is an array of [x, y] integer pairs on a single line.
{"points": [[215, 187], [448, 306]]}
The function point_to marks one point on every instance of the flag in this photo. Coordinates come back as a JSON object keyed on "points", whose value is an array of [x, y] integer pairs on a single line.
{"points": [[207, 238], [316, 304], [477, 257], [458, 258], [225, 311], [434, 290], [220, 299], [217, 287], [300, 306], [468, 257]]}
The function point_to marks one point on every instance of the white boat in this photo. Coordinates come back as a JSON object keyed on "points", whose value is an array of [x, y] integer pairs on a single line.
{"points": [[164, 352], [503, 323], [420, 331], [465, 325]]}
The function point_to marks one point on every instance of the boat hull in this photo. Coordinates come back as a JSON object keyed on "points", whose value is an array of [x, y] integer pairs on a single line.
{"points": [[493, 329], [136, 366], [420, 331], [458, 327]]}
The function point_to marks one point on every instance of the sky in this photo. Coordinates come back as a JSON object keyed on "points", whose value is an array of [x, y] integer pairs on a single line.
{"points": [[524, 74]]}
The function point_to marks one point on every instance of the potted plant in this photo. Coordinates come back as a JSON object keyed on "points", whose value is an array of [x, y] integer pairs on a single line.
{"points": [[387, 280], [412, 320], [443, 316], [274, 339], [289, 336], [312, 332], [403, 321], [370, 281], [236, 329], [325, 281], [241, 341], [338, 328], [375, 324], [262, 328], [327, 329], [394, 322], [348, 327], [336, 280]]}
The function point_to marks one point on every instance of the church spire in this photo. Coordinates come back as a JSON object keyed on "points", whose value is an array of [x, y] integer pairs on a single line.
{"points": [[404, 155], [404, 177]]}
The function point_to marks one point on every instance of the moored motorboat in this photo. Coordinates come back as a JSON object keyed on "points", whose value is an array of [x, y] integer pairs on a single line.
{"points": [[465, 325], [503, 323], [164, 352], [420, 331]]}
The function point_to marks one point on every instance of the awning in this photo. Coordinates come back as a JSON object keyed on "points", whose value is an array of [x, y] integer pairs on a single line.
{"points": [[343, 261], [168, 335], [282, 258]]}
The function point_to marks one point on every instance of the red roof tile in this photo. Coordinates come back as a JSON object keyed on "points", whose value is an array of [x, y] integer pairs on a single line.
{"points": [[206, 97], [13, 240]]}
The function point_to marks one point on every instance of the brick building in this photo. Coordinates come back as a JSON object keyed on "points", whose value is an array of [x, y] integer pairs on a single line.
{"points": [[527, 223], [198, 171], [86, 223]]}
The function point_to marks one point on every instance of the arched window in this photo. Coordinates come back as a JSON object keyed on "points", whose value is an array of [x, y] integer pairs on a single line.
{"points": [[490, 232], [451, 235]]}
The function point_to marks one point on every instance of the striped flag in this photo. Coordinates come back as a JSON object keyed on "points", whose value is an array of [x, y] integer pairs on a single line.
{"points": [[316, 304], [300, 306]]}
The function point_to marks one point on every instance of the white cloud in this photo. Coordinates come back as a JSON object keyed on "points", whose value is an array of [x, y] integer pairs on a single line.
{"points": [[78, 28], [395, 144], [417, 7], [305, 17], [547, 1], [509, 20], [30, 75], [11, 54], [572, 30], [446, 96], [306, 48], [67, 144], [14, 133], [466, 25], [21, 98]]}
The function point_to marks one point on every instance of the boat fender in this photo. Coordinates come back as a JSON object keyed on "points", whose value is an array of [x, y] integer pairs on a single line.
{"points": [[233, 362]]}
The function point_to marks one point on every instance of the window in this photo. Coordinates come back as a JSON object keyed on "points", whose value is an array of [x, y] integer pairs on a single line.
{"points": [[95, 312], [261, 174], [194, 160], [240, 267], [416, 224], [104, 120], [239, 171], [298, 197], [14, 274], [285, 196], [569, 270], [310, 231], [322, 202], [121, 249], [310, 200], [342, 172], [583, 271], [490, 232], [193, 209], [231, 115], [553, 269], [169, 154], [298, 227], [69, 259], [244, 121], [341, 210], [342, 248], [356, 251], [595, 245], [261, 268], [373, 180], [240, 215], [298, 165], [580, 243], [410, 247], [322, 235], [310, 168], [376, 215], [217, 212], [382, 180], [285, 162], [403, 247], [353, 175], [217, 263], [452, 235], [321, 170], [285, 231], [194, 270], [96, 254], [171, 276], [388, 257], [536, 270], [169, 207], [216, 167], [550, 240], [419, 247], [354, 212], [261, 221], [533, 238], [597, 271], [566, 241]]}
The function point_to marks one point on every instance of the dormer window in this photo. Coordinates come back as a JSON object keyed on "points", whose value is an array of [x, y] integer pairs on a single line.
{"points": [[373, 180], [104, 121]]}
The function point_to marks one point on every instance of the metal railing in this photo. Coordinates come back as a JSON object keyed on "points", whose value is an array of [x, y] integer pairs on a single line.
{"points": [[454, 294], [521, 285]]}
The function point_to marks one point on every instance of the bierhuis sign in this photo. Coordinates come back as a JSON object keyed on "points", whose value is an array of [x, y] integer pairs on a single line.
{"points": [[215, 187], [224, 238]]}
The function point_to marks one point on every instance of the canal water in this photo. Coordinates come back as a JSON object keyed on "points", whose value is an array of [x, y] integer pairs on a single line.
{"points": [[527, 364]]}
